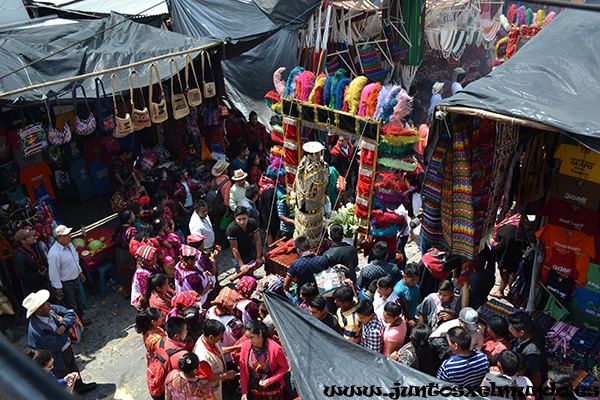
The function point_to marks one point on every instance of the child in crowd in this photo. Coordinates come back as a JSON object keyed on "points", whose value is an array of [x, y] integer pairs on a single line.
{"points": [[384, 294], [138, 212], [307, 292], [465, 367], [371, 334], [346, 313], [395, 328], [369, 292], [254, 171], [439, 307], [407, 290], [508, 364], [317, 307], [497, 329]]}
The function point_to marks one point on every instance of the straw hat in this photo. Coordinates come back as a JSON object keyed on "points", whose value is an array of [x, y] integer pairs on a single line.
{"points": [[238, 175], [35, 301], [437, 87], [219, 168]]}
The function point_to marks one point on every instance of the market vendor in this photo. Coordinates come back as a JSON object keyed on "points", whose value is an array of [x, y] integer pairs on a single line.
{"points": [[122, 166]]}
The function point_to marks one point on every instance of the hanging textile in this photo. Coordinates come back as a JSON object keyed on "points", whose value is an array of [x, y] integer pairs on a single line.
{"points": [[481, 167], [507, 140], [431, 228], [370, 64], [463, 221]]}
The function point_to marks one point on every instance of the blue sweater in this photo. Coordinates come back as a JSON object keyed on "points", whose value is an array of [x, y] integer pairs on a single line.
{"points": [[41, 336]]}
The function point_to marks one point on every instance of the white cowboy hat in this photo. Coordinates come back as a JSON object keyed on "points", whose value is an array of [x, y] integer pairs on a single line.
{"points": [[220, 167], [35, 301], [313, 147], [238, 175], [437, 87]]}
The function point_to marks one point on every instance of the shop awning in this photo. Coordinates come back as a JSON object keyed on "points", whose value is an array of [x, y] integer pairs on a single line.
{"points": [[320, 359], [263, 37], [553, 80], [127, 43]]}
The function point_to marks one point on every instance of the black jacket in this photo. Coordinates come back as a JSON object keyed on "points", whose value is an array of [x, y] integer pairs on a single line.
{"points": [[28, 272]]}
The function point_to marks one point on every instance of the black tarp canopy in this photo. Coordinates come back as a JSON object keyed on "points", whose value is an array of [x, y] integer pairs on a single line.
{"points": [[127, 43], [263, 37], [320, 358], [554, 79]]}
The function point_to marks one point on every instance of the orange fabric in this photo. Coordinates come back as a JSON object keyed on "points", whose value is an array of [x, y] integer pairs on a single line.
{"points": [[32, 176], [567, 239]]}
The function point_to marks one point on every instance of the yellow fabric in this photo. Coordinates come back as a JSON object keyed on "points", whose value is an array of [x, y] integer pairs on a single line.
{"points": [[579, 162], [401, 140], [320, 83]]}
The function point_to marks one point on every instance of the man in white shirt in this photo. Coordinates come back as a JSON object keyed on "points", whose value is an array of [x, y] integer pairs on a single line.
{"points": [[385, 294], [200, 224], [436, 97], [459, 77], [64, 271], [468, 318]]}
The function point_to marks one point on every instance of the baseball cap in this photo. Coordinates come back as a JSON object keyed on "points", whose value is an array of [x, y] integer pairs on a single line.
{"points": [[469, 318], [23, 234], [61, 230]]}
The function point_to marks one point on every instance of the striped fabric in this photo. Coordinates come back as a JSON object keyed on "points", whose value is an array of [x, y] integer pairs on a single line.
{"points": [[370, 64], [465, 370], [431, 228], [397, 54]]}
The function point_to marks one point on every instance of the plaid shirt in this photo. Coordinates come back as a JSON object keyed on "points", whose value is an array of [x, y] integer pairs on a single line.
{"points": [[259, 134], [371, 336], [350, 324]]}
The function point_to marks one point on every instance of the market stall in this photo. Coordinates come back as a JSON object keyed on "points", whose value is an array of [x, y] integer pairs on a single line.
{"points": [[523, 143]]}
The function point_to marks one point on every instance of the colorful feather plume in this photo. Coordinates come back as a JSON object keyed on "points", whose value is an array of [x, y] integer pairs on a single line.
{"points": [[327, 91], [372, 100], [510, 15], [391, 200], [354, 93], [402, 109], [549, 19], [401, 140], [390, 181], [520, 17], [339, 93], [398, 130], [383, 94], [389, 103], [398, 164], [278, 81], [541, 16], [319, 84], [307, 83], [362, 107], [529, 16], [337, 77], [277, 162], [504, 22], [290, 87]]}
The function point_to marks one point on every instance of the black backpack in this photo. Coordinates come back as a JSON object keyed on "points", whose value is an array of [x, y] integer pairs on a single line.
{"points": [[214, 199]]}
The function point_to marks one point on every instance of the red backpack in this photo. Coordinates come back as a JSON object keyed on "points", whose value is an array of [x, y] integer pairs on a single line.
{"points": [[159, 368]]}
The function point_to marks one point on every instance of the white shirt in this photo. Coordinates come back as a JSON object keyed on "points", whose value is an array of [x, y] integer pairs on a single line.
{"points": [[436, 98], [202, 226], [456, 87], [63, 264], [379, 303]]}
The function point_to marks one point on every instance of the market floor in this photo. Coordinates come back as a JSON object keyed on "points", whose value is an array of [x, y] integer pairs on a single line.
{"points": [[112, 354]]}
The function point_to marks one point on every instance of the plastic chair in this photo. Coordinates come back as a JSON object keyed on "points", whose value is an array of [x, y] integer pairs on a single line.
{"points": [[84, 298], [102, 269]]}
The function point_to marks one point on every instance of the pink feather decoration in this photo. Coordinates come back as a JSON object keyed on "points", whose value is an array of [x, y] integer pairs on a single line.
{"points": [[522, 18], [402, 108], [307, 83], [549, 18], [362, 108], [278, 82], [276, 162]]}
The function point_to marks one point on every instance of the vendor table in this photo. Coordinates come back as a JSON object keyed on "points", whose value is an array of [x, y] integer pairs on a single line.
{"points": [[88, 262], [280, 261]]}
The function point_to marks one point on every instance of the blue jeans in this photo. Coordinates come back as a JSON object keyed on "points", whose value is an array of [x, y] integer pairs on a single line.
{"points": [[244, 260]]}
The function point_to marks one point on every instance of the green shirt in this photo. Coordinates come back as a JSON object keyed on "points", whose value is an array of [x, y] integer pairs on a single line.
{"points": [[592, 280]]}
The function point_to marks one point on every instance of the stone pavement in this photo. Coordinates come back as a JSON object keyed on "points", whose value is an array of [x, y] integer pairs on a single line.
{"points": [[112, 354]]}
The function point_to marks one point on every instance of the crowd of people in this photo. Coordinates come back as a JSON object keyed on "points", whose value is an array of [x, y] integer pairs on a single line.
{"points": [[203, 339]]}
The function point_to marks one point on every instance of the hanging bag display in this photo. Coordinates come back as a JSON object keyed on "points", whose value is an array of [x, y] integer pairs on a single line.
{"points": [[158, 111], [57, 136], [31, 137], [104, 112], [178, 102], [194, 96], [139, 118], [123, 126], [85, 126], [210, 89]]}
